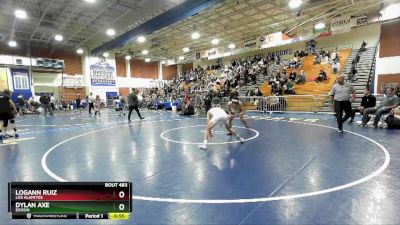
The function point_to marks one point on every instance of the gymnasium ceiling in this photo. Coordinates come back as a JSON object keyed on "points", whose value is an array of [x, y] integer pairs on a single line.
{"points": [[82, 24], [232, 21]]}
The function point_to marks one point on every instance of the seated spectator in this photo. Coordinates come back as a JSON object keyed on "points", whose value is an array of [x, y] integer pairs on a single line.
{"points": [[317, 59], [292, 75], [258, 92], [367, 101], [386, 105], [289, 88], [321, 76], [301, 78], [335, 67]]}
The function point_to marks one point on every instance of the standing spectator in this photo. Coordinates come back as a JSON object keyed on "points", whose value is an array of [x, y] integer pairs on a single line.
{"points": [[78, 102], [91, 101], [367, 101], [7, 112], [390, 102], [45, 101], [20, 104], [133, 103], [341, 93], [97, 105]]}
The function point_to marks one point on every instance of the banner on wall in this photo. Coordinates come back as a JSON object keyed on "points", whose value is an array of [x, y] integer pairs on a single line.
{"points": [[21, 83], [20, 79], [3, 79], [102, 73], [359, 21], [251, 43], [341, 24]]}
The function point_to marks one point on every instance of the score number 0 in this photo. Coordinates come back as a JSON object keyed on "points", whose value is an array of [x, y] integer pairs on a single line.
{"points": [[121, 195]]}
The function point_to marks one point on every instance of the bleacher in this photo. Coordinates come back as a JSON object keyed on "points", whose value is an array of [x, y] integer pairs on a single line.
{"points": [[311, 87]]}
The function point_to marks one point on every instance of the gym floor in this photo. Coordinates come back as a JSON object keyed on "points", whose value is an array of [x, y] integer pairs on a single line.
{"points": [[293, 168]]}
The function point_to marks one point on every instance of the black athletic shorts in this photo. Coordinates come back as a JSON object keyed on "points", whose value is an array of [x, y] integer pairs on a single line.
{"points": [[6, 116]]}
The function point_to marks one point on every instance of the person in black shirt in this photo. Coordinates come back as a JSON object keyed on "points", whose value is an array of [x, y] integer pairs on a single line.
{"points": [[78, 102], [368, 101], [7, 113], [45, 101]]}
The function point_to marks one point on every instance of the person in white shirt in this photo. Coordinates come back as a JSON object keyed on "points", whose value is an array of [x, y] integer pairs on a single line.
{"points": [[214, 116], [91, 101]]}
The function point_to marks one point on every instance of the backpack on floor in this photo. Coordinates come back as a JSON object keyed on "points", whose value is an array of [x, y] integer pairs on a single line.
{"points": [[392, 121]]}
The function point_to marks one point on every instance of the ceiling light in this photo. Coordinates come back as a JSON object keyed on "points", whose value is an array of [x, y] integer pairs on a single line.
{"points": [[141, 39], [195, 35], [186, 49], [58, 37], [20, 14], [110, 32], [215, 41], [319, 26], [294, 3], [128, 57], [232, 46], [90, 1], [105, 54], [145, 52], [147, 60], [12, 44], [170, 61], [163, 62], [181, 57], [79, 51]]}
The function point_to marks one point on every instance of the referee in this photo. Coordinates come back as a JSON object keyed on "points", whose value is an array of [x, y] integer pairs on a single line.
{"points": [[341, 93]]}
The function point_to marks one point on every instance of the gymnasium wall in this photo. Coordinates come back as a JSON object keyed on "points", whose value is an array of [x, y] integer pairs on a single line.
{"points": [[73, 61], [169, 72], [120, 66], [187, 67], [388, 61], [142, 69]]}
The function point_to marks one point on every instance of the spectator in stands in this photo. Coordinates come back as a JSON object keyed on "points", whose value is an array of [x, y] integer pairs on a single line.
{"points": [[362, 49], [367, 101], [335, 67], [386, 105], [258, 92], [321, 76], [292, 75], [234, 94], [301, 78], [352, 75], [289, 88], [317, 59]]}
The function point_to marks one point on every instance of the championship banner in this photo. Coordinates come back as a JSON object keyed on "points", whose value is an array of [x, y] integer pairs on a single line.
{"points": [[341, 25], [251, 43], [3, 79], [20, 79], [102, 74]]}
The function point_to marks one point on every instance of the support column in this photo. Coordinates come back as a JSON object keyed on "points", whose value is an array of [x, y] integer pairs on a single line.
{"points": [[179, 69], [128, 68], [160, 71]]}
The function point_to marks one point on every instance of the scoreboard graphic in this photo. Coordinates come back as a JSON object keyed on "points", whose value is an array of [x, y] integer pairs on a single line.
{"points": [[70, 200]]}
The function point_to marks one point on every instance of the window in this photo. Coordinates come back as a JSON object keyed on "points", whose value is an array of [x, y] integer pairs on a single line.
{"points": [[21, 82]]}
